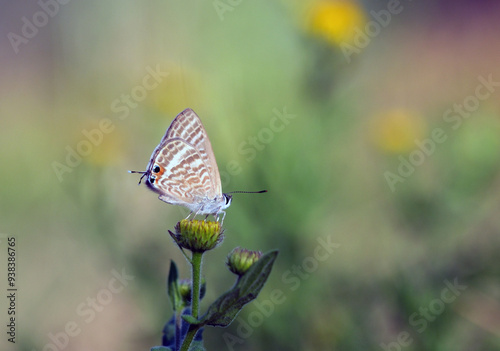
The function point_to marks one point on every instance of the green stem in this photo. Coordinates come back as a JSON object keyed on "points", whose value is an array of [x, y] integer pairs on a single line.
{"points": [[189, 337], [195, 298]]}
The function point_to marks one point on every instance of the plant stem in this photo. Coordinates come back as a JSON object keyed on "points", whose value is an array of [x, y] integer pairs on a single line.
{"points": [[189, 337], [196, 278], [195, 298]]}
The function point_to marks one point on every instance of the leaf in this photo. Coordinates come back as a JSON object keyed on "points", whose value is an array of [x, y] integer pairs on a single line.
{"points": [[223, 311], [190, 319], [196, 345], [168, 338], [161, 348], [173, 287]]}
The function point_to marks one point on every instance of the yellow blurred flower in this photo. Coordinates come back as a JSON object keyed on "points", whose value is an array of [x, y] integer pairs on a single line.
{"points": [[396, 130], [98, 143], [179, 90], [336, 20], [109, 151]]}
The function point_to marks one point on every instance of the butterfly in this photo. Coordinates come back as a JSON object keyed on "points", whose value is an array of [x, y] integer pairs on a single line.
{"points": [[183, 171]]}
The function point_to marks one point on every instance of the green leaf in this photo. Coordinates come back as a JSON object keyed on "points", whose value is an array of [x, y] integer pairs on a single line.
{"points": [[223, 311], [161, 348], [197, 346], [173, 287], [190, 319]]}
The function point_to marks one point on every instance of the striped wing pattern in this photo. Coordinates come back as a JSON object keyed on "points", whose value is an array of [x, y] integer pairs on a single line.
{"points": [[187, 127], [186, 178]]}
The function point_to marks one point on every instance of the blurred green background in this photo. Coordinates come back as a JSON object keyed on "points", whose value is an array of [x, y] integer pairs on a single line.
{"points": [[363, 84]]}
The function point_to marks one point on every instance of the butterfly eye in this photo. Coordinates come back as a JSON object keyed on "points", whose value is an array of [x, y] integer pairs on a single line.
{"points": [[152, 179], [156, 168]]}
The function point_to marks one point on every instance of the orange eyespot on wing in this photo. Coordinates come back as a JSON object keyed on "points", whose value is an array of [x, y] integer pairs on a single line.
{"points": [[157, 170]]}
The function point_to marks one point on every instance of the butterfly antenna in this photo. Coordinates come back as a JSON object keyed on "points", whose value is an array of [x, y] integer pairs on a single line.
{"points": [[247, 192], [143, 175]]}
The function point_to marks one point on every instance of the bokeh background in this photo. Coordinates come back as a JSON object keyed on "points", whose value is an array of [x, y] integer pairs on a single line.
{"points": [[363, 84]]}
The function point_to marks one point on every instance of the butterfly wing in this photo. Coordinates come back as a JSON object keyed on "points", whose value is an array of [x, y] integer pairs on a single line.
{"points": [[183, 177], [187, 127]]}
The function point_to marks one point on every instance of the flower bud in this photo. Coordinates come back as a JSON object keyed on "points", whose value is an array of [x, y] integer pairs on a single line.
{"points": [[197, 236], [185, 287], [240, 260]]}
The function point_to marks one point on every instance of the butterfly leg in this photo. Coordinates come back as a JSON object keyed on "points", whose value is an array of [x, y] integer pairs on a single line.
{"points": [[189, 215], [196, 213], [223, 216]]}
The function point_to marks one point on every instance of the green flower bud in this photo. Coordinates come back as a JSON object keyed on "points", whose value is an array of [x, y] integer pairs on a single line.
{"points": [[197, 236], [240, 260], [185, 287]]}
